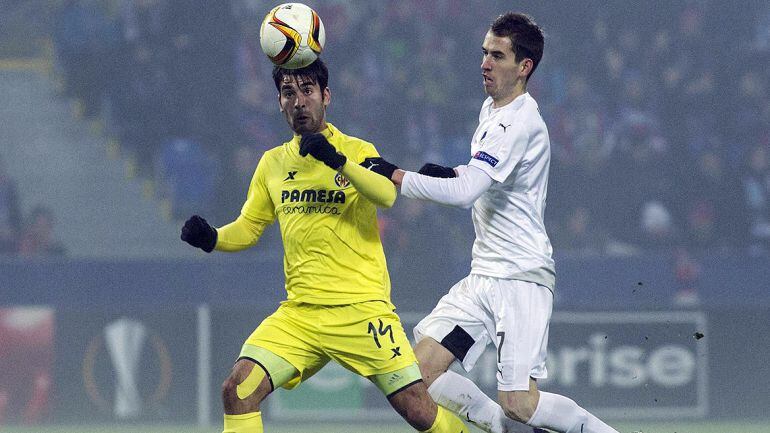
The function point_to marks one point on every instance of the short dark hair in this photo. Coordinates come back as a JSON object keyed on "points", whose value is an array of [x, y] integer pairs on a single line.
{"points": [[526, 36], [316, 71]]}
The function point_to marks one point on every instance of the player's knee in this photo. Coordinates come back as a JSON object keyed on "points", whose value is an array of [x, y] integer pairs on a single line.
{"points": [[229, 391], [518, 406], [244, 395]]}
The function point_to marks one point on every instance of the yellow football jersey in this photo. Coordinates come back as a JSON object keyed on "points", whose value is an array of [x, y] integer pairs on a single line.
{"points": [[332, 249]]}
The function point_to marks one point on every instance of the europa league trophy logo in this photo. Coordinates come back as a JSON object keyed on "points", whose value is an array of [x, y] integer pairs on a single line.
{"points": [[125, 339]]}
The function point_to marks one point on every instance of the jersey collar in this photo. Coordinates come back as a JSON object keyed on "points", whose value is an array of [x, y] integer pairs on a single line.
{"points": [[513, 105]]}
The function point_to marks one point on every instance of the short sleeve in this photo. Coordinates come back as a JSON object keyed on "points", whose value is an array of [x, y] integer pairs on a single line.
{"points": [[500, 150], [259, 206]]}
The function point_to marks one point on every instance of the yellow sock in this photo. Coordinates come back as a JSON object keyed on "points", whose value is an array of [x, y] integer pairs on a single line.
{"points": [[447, 422], [245, 423]]}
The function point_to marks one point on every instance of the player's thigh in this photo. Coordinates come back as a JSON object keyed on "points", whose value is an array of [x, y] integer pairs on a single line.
{"points": [[366, 338], [434, 359], [286, 345], [459, 324], [522, 312]]}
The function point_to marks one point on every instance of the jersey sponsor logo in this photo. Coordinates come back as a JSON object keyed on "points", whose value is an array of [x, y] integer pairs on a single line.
{"points": [[341, 181], [489, 159], [312, 196], [505, 126], [310, 209]]}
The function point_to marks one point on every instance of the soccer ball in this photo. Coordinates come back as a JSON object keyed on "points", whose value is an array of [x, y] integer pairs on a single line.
{"points": [[292, 35]]}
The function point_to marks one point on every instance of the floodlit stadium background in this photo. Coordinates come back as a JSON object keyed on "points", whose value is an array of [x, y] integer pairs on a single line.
{"points": [[120, 118]]}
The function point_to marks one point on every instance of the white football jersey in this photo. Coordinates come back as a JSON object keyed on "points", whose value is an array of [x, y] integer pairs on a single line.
{"points": [[511, 145]]}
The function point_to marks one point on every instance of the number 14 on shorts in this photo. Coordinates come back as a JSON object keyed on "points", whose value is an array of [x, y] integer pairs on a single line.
{"points": [[381, 331]]}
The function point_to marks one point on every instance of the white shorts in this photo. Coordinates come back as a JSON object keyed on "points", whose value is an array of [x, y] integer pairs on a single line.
{"points": [[513, 314]]}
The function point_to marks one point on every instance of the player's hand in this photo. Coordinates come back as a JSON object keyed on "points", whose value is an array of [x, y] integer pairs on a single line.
{"points": [[435, 170], [319, 148], [379, 166], [198, 233]]}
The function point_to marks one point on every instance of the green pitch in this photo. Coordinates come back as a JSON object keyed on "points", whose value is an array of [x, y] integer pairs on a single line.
{"points": [[624, 427]]}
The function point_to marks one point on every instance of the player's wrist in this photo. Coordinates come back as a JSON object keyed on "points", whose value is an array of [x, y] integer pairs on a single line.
{"points": [[336, 161], [398, 176]]}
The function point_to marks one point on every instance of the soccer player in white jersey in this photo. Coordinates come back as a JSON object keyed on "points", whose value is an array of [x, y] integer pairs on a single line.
{"points": [[508, 297]]}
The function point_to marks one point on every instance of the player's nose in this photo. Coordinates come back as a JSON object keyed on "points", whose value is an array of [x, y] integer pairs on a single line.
{"points": [[486, 64]]}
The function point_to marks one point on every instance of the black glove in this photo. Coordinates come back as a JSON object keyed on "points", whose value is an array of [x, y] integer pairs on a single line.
{"points": [[198, 233], [319, 148], [379, 166], [435, 170]]}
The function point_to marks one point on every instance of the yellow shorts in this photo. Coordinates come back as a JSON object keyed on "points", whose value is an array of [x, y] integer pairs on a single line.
{"points": [[366, 338]]}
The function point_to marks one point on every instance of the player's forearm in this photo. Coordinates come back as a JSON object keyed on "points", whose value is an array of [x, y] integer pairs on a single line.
{"points": [[461, 191], [378, 189], [239, 235]]}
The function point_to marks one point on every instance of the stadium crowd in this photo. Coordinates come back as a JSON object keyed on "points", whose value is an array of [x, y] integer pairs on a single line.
{"points": [[658, 111]]}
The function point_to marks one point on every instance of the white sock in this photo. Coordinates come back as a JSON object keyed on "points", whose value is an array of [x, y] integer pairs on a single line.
{"points": [[461, 396], [556, 412]]}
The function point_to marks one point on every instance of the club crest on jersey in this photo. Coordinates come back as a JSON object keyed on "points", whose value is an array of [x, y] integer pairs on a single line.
{"points": [[489, 159], [341, 181]]}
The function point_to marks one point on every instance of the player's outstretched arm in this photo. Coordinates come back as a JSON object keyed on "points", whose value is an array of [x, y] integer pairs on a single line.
{"points": [[375, 187], [240, 234], [461, 191], [236, 236]]}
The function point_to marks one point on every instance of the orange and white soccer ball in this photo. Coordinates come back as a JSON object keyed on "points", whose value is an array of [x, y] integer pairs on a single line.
{"points": [[292, 35]]}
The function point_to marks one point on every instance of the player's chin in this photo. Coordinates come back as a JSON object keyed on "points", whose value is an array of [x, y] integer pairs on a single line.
{"points": [[303, 128]]}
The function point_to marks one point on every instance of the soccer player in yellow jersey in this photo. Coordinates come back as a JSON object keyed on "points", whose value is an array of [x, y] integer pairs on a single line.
{"points": [[319, 187]]}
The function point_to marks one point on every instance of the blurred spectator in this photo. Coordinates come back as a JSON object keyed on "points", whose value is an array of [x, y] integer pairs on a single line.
{"points": [[579, 233], [10, 213], [236, 179], [37, 239], [83, 35], [756, 189], [687, 272], [141, 98], [714, 215], [761, 41], [200, 58], [189, 174], [640, 175]]}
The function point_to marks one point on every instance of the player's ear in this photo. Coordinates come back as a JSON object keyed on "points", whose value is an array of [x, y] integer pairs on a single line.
{"points": [[526, 67], [280, 106], [327, 95]]}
